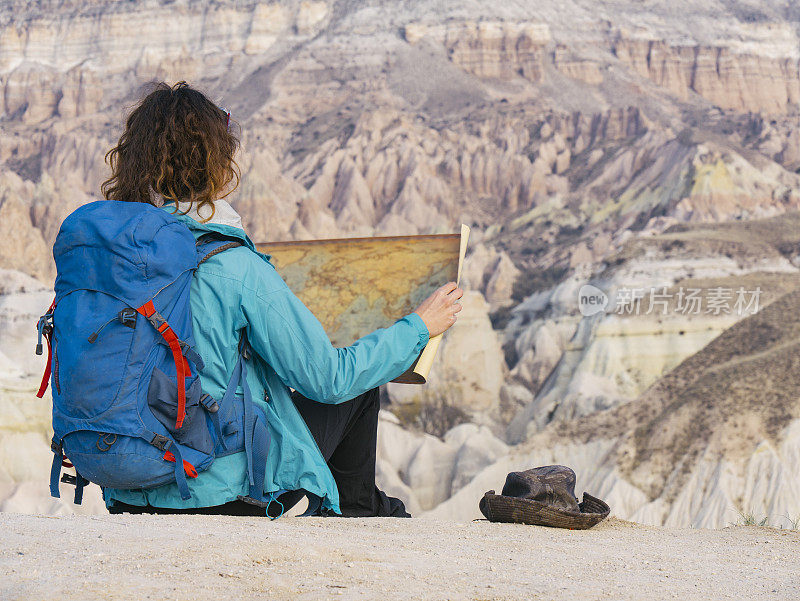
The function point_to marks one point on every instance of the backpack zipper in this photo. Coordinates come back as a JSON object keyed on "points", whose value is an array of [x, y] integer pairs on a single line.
{"points": [[55, 367]]}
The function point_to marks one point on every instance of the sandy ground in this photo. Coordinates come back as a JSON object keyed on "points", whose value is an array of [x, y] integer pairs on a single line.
{"points": [[196, 557]]}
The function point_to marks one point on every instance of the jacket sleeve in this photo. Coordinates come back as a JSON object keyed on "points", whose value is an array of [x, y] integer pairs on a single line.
{"points": [[293, 342]]}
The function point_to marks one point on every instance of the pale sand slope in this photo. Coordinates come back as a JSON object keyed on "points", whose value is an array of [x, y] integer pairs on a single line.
{"points": [[197, 557]]}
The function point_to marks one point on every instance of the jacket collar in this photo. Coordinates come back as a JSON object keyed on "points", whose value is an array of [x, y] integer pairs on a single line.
{"points": [[223, 213], [225, 221]]}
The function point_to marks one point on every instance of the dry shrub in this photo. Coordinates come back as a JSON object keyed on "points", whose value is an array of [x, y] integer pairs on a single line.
{"points": [[434, 411]]}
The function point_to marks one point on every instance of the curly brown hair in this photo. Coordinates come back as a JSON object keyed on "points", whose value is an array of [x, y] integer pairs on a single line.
{"points": [[176, 143]]}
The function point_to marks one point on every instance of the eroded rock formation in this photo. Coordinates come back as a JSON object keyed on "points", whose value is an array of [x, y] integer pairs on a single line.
{"points": [[577, 140]]}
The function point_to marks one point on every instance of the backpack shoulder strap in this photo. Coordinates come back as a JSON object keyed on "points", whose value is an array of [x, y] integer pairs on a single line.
{"points": [[209, 245]]}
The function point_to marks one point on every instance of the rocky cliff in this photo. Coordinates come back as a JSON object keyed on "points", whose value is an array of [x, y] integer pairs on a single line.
{"points": [[715, 437], [612, 144]]}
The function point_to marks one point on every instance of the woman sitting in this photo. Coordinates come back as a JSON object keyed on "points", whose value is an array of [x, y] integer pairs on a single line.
{"points": [[177, 152]]}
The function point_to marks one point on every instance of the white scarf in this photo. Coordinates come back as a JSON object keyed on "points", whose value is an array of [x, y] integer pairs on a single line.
{"points": [[224, 213]]}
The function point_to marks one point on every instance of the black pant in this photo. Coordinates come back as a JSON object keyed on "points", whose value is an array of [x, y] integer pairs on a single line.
{"points": [[347, 436]]}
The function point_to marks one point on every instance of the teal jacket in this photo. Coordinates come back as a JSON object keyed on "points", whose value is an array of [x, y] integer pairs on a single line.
{"points": [[240, 288]]}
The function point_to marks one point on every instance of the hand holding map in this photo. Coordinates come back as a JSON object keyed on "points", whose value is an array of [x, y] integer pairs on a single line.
{"points": [[356, 285], [439, 310]]}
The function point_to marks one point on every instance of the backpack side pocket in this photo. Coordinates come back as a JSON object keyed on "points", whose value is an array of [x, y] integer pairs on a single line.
{"points": [[162, 398]]}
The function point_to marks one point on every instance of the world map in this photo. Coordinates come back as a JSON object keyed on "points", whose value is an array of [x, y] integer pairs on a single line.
{"points": [[356, 285]]}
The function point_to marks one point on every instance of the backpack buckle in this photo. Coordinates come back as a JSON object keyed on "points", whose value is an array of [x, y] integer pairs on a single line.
{"points": [[209, 403], [161, 442], [44, 328], [156, 320], [56, 447]]}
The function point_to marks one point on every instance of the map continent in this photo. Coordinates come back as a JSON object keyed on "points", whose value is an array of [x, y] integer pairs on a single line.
{"points": [[357, 285]]}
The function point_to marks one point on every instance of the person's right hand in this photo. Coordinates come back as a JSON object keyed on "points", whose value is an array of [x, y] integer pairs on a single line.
{"points": [[438, 311]]}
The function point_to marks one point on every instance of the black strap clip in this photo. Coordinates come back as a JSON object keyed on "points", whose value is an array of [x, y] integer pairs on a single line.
{"points": [[208, 402], [156, 320], [161, 442]]}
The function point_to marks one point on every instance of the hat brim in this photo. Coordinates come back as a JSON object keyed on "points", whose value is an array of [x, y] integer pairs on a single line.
{"points": [[499, 508]]}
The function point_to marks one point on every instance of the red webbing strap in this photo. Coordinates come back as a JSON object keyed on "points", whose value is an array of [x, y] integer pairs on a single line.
{"points": [[147, 309], [180, 370], [181, 365], [49, 366], [187, 467]]}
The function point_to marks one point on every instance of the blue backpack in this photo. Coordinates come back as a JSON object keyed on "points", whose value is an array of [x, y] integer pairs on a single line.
{"points": [[128, 409]]}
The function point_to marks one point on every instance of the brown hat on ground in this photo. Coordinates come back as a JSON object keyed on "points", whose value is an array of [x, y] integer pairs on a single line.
{"points": [[543, 496]]}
